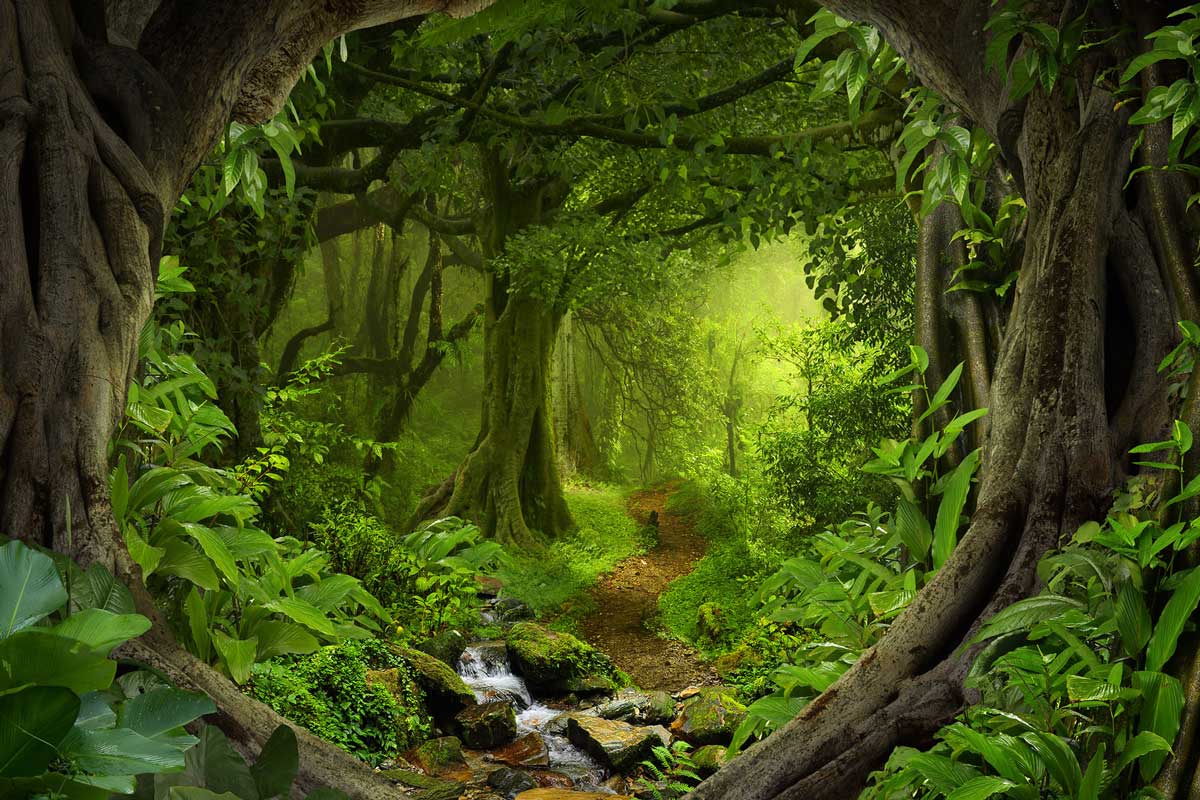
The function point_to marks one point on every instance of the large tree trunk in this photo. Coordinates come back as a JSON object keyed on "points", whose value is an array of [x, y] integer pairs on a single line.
{"points": [[1074, 387], [575, 445], [509, 484], [96, 142]]}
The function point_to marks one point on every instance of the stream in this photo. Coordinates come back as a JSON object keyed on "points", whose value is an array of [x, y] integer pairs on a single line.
{"points": [[485, 668]]}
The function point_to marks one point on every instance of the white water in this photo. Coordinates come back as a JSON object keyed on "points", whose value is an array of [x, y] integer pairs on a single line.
{"points": [[486, 670]]}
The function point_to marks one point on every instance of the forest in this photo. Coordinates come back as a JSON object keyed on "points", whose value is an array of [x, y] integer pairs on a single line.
{"points": [[554, 400]]}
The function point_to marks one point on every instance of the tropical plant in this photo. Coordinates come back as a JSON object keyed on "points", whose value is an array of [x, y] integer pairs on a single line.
{"points": [[671, 772]]}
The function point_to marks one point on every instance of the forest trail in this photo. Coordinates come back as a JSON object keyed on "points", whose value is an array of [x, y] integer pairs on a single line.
{"points": [[627, 598]]}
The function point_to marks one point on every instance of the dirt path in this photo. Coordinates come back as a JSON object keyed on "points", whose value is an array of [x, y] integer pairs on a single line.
{"points": [[627, 598]]}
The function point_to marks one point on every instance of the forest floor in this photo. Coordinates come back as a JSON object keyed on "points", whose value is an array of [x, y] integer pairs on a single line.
{"points": [[627, 602]]}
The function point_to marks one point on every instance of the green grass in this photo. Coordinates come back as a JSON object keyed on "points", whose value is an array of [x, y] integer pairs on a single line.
{"points": [[554, 582]]}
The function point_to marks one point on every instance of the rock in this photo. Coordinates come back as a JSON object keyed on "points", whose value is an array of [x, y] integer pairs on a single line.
{"points": [[528, 751], [489, 586], [558, 663], [428, 788], [487, 725], [446, 647], [662, 733], [709, 717], [489, 655], [511, 782], [510, 609], [553, 780], [649, 708], [617, 745], [568, 794], [447, 692], [709, 759], [438, 756]]}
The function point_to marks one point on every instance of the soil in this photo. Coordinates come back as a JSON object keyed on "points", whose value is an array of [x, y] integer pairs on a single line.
{"points": [[627, 602]]}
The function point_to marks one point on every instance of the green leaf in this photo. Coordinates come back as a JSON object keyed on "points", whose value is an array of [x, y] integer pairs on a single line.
{"points": [[197, 619], [277, 764], [954, 499], [119, 751], [1133, 619], [1143, 744], [1089, 787], [1058, 757], [238, 654], [32, 724], [102, 630], [30, 588], [97, 588], [277, 638], [1172, 620], [163, 710], [42, 658], [981, 788], [1162, 709], [184, 561], [913, 529], [303, 612], [943, 392], [1024, 614]]}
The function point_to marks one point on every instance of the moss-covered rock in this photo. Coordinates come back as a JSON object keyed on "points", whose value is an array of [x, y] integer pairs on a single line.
{"points": [[567, 794], [709, 759], [558, 663], [428, 788], [709, 716], [446, 691], [641, 708], [511, 782], [438, 756], [617, 745], [487, 725], [446, 646]]}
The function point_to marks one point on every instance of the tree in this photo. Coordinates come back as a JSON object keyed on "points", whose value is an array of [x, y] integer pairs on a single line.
{"points": [[1068, 368], [105, 111]]}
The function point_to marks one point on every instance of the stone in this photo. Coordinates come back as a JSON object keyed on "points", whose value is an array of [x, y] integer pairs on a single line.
{"points": [[446, 691], [487, 725], [510, 609], [662, 733], [427, 788], [489, 586], [568, 794], [643, 708], [447, 647], [617, 745], [558, 663], [709, 717], [511, 782], [553, 780], [438, 756], [709, 759], [528, 751]]}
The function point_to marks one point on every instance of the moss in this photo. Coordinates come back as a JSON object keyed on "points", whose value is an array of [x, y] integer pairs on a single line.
{"points": [[552, 661], [328, 693], [441, 684]]}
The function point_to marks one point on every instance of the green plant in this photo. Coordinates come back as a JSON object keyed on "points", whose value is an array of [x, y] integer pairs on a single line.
{"points": [[68, 728], [672, 773]]}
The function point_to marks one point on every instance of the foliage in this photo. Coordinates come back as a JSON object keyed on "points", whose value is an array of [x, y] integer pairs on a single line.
{"points": [[671, 772], [68, 727], [330, 692]]}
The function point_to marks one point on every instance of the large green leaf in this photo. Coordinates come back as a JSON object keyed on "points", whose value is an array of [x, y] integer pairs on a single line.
{"points": [[214, 547], [277, 638], [954, 500], [1162, 708], [102, 630], [30, 588], [197, 619], [32, 723], [303, 612], [185, 561], [42, 658], [119, 752], [1170, 624], [214, 765], [163, 710], [238, 654], [981, 788], [1133, 619], [913, 529], [1024, 614], [277, 764], [98, 588]]}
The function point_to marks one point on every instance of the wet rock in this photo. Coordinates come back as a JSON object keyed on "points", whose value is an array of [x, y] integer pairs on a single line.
{"points": [[511, 782], [641, 708], [553, 780], [438, 756], [447, 692], [528, 751], [487, 725], [490, 655], [709, 759], [709, 717], [617, 745], [662, 733], [447, 646], [427, 788], [558, 663], [568, 794], [509, 610]]}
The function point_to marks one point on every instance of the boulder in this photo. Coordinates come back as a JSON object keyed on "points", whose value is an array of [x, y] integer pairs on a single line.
{"points": [[709, 717], [642, 708], [446, 646], [528, 751], [568, 794], [617, 745], [558, 663], [438, 756], [709, 759], [487, 725], [447, 692], [489, 586], [511, 782], [553, 780], [509, 610], [427, 788]]}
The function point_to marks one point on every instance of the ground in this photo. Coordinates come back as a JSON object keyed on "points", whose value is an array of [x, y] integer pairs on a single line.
{"points": [[626, 599]]}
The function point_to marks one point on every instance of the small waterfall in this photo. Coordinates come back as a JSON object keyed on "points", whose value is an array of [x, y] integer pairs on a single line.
{"points": [[486, 669]]}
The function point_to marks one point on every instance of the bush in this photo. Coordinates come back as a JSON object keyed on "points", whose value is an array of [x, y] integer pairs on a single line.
{"points": [[328, 693]]}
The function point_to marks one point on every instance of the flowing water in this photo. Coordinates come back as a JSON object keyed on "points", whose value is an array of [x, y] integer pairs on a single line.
{"points": [[485, 668]]}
